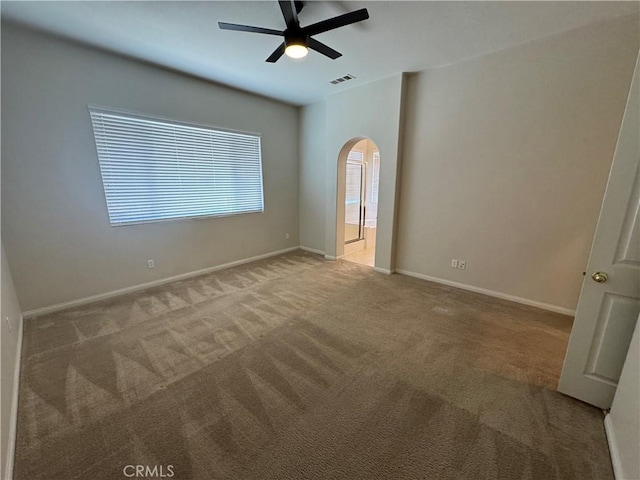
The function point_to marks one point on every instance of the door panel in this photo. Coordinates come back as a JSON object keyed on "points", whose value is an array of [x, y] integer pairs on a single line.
{"points": [[614, 329], [628, 251], [608, 310]]}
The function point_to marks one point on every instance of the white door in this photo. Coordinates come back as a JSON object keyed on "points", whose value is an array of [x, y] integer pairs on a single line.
{"points": [[610, 299]]}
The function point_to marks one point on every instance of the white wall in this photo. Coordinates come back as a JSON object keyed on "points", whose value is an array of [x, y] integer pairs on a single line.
{"points": [[54, 220], [506, 158], [370, 111], [11, 317], [313, 135], [623, 421]]}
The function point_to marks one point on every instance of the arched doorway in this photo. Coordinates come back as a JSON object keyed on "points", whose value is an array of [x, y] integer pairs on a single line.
{"points": [[357, 202]]}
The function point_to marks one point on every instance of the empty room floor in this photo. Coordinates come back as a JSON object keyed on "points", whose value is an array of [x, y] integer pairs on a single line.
{"points": [[295, 367], [365, 256]]}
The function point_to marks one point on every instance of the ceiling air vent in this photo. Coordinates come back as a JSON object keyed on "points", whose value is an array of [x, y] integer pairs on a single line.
{"points": [[342, 79]]}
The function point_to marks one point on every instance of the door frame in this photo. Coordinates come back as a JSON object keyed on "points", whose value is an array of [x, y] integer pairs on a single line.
{"points": [[340, 200]]}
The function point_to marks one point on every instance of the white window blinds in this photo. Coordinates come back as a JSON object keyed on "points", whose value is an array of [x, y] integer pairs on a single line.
{"points": [[155, 170], [375, 177], [355, 156]]}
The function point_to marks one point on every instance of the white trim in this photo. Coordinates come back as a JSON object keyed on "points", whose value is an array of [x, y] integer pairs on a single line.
{"points": [[13, 430], [329, 257], [312, 250], [613, 448], [491, 293], [143, 286], [382, 270]]}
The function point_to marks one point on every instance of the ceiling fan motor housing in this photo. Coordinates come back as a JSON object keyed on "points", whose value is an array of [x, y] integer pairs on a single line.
{"points": [[295, 38]]}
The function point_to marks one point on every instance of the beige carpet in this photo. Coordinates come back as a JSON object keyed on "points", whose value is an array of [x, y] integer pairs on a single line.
{"points": [[298, 368]]}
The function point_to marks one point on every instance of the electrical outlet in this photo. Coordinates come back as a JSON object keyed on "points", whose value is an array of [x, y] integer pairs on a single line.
{"points": [[8, 320], [151, 264], [454, 263], [462, 265], [286, 236]]}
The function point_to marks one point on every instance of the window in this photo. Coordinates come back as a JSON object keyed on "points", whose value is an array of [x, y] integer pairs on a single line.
{"points": [[355, 156], [157, 170], [375, 177]]}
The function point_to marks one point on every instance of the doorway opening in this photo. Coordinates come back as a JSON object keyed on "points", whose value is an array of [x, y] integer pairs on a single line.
{"points": [[362, 179]]}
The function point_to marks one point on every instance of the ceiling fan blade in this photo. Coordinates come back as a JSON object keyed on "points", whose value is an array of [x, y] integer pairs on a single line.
{"points": [[248, 28], [337, 22], [289, 11], [277, 53], [323, 49]]}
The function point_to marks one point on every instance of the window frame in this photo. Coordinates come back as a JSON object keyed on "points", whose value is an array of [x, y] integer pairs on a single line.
{"points": [[173, 122]]}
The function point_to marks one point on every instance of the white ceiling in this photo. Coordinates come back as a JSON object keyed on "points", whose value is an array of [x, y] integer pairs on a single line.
{"points": [[398, 37]]}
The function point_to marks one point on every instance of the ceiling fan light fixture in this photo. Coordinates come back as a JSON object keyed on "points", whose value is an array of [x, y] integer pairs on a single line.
{"points": [[296, 50], [298, 40]]}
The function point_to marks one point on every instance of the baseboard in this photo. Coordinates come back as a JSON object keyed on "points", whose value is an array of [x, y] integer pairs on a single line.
{"points": [[143, 286], [491, 293], [13, 430], [331, 257], [382, 270], [312, 250], [613, 448]]}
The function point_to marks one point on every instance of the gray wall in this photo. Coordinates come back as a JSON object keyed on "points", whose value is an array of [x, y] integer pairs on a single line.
{"points": [[313, 134], [11, 324], [504, 164], [373, 111], [55, 227], [506, 161]]}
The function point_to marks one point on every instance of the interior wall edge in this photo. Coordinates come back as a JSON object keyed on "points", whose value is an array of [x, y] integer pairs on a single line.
{"points": [[402, 123], [613, 447], [13, 427], [311, 168], [491, 293], [386, 271], [143, 286]]}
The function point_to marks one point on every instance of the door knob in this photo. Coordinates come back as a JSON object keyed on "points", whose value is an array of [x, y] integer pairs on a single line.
{"points": [[599, 277]]}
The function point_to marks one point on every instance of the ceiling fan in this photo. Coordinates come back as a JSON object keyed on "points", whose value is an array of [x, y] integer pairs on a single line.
{"points": [[297, 39]]}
